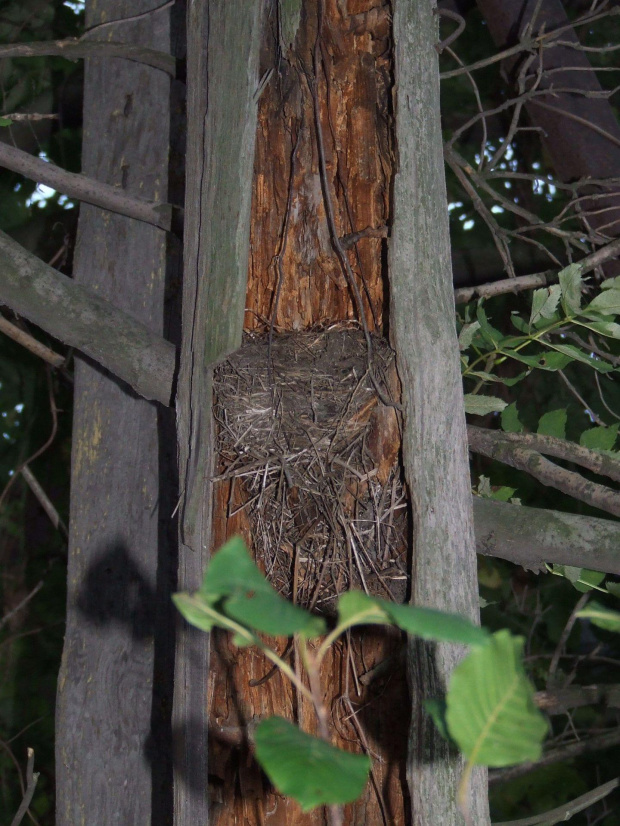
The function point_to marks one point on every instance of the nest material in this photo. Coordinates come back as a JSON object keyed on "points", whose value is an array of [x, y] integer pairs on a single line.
{"points": [[294, 422]]}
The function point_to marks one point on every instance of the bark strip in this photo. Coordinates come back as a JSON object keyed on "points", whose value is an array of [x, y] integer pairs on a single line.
{"points": [[434, 438], [222, 76]]}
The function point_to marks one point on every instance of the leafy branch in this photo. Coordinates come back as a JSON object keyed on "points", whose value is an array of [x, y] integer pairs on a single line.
{"points": [[488, 711]]}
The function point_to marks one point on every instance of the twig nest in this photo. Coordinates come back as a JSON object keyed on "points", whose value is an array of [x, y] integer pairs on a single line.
{"points": [[302, 430]]}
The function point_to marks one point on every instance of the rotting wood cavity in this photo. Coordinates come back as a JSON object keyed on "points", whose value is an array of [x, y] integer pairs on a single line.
{"points": [[314, 455]]}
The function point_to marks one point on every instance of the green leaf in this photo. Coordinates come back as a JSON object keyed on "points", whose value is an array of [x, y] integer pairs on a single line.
{"points": [[519, 323], [570, 285], [579, 355], [582, 579], [600, 438], [607, 301], [588, 580], [241, 592], [510, 419], [481, 405], [601, 616], [490, 377], [603, 328], [5, 121], [553, 423], [503, 494], [357, 608], [613, 588], [491, 713], [197, 612], [542, 361], [436, 710], [611, 283], [570, 572], [311, 771], [487, 331], [467, 334], [544, 304]]}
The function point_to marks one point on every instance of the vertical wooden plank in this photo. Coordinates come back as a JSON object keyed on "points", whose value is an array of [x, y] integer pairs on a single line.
{"points": [[110, 761], [222, 79], [434, 439]]}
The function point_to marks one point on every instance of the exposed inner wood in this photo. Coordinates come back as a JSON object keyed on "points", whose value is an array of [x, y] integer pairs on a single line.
{"points": [[297, 283]]}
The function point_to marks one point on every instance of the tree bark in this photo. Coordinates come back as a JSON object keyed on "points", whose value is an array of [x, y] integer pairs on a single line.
{"points": [[434, 439], [114, 692]]}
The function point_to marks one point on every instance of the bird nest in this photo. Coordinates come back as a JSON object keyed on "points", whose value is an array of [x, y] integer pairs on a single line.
{"points": [[311, 453]]}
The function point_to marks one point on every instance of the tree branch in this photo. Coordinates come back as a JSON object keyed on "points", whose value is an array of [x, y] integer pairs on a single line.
{"points": [[493, 445], [530, 537], [559, 448], [586, 746], [74, 49], [85, 189], [30, 343], [31, 779], [542, 279], [81, 319], [561, 700]]}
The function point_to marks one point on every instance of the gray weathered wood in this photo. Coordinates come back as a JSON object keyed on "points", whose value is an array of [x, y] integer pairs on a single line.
{"points": [[96, 325], [222, 69], [86, 189], [112, 749], [532, 536], [434, 442]]}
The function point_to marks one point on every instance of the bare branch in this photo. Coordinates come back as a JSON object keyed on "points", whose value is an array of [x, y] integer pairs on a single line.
{"points": [[566, 810], [568, 752], [493, 445], [32, 779], [561, 700], [81, 319], [22, 604], [30, 343], [74, 49], [541, 279], [44, 500], [85, 189], [560, 449]]}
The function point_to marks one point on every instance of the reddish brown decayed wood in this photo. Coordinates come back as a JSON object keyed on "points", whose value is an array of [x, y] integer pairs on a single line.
{"points": [[354, 94], [354, 91]]}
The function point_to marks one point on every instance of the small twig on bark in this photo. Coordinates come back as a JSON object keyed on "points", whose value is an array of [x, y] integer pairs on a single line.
{"points": [[348, 241]]}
